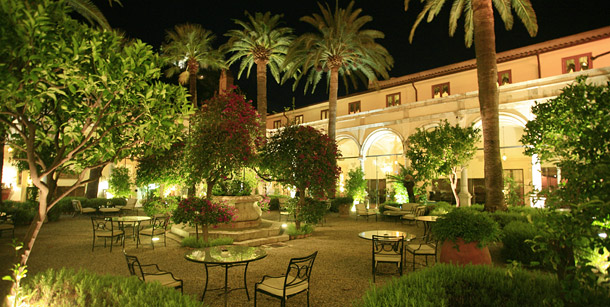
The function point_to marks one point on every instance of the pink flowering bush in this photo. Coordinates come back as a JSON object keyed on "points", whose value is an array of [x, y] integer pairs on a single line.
{"points": [[199, 211], [223, 138]]}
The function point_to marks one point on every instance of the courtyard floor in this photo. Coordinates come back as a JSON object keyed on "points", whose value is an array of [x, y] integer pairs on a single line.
{"points": [[341, 273]]}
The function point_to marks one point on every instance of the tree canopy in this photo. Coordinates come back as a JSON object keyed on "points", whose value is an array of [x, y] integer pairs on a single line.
{"points": [[573, 132], [76, 97], [439, 152]]}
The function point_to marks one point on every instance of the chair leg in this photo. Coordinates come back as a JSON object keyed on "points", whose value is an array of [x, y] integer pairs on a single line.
{"points": [[255, 292], [308, 298]]}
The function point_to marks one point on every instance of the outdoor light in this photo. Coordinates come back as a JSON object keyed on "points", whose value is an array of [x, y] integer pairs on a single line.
{"points": [[155, 239], [283, 228], [603, 235]]}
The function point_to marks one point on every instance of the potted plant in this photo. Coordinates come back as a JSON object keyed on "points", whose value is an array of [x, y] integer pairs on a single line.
{"points": [[464, 235]]}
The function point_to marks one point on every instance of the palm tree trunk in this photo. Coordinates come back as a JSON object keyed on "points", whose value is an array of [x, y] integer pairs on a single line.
{"points": [[332, 102], [487, 73], [193, 68], [261, 93]]}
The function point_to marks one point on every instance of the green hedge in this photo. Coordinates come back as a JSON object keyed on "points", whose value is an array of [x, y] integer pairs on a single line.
{"points": [[336, 202], [515, 248], [448, 285], [66, 287], [23, 212]]}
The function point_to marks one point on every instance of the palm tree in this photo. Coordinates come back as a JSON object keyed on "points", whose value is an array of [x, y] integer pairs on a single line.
{"points": [[261, 42], [341, 48], [479, 22], [92, 13], [187, 49]]}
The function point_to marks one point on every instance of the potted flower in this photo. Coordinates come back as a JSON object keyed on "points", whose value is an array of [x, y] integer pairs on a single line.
{"points": [[464, 235], [202, 212]]}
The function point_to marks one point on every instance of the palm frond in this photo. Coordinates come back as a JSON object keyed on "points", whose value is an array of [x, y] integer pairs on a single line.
{"points": [[456, 12], [92, 13], [504, 10], [526, 13]]}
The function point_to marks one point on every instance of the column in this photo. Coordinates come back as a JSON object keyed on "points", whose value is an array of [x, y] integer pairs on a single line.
{"points": [[464, 195]]}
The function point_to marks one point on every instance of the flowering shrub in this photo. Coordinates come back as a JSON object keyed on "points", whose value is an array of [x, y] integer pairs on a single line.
{"points": [[223, 138], [264, 203], [200, 211]]}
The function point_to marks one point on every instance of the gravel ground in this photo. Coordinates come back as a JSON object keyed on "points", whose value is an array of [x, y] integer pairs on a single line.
{"points": [[341, 273]]}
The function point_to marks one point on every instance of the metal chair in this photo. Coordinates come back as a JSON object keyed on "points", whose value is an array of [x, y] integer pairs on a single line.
{"points": [[154, 274], [158, 227], [295, 281], [426, 247], [78, 208], [387, 250], [104, 228]]}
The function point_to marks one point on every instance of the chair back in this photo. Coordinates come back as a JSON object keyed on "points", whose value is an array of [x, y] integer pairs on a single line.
{"points": [[388, 246], [101, 224], [77, 206], [134, 266], [131, 203], [360, 208], [160, 222], [299, 272]]}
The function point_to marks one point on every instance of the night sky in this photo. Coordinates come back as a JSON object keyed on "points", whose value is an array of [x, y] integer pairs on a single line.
{"points": [[432, 47]]}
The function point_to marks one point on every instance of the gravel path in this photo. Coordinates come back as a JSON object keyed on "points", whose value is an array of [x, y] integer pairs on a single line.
{"points": [[341, 273]]}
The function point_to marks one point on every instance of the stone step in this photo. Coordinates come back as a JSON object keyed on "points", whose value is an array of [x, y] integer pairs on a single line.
{"points": [[269, 229], [263, 241]]}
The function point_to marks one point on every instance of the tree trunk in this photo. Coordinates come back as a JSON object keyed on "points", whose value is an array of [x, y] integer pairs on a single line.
{"points": [[92, 187], [410, 185], [193, 68], [297, 211], [261, 93], [2, 139], [453, 182], [332, 102], [485, 49], [204, 230]]}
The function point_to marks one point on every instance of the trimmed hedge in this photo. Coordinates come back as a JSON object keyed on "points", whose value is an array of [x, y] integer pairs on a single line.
{"points": [[336, 202], [515, 248], [471, 285], [66, 287]]}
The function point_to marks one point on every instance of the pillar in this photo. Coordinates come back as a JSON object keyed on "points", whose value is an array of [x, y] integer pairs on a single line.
{"points": [[464, 195]]}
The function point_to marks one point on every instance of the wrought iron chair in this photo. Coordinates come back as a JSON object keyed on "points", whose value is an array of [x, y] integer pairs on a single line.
{"points": [[158, 228], [295, 281], [104, 228], [387, 250], [78, 208], [152, 273], [426, 247]]}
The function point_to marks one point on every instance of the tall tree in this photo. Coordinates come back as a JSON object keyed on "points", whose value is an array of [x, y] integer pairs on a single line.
{"points": [[262, 42], [479, 22], [76, 98], [187, 49], [340, 48]]}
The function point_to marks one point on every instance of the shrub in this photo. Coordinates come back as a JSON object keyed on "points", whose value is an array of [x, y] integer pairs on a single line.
{"points": [[23, 212], [440, 208], [119, 183], [233, 187], [313, 211], [516, 248], [65, 287], [337, 202], [292, 230], [471, 285], [157, 205], [201, 243], [468, 224]]}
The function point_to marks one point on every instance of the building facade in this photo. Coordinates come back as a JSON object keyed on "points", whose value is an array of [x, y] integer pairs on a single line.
{"points": [[373, 125]]}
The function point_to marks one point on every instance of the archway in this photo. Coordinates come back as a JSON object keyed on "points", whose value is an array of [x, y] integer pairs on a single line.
{"points": [[381, 153]]}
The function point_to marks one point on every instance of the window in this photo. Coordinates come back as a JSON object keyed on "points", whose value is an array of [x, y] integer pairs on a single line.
{"points": [[298, 119], [353, 107], [324, 114], [505, 77], [392, 100], [549, 178], [576, 63], [277, 124], [440, 90]]}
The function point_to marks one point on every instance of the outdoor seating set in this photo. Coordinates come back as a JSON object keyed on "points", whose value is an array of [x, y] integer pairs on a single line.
{"points": [[293, 282]]}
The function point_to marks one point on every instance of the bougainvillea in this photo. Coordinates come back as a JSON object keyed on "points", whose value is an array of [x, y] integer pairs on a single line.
{"points": [[223, 138], [198, 211], [303, 157]]}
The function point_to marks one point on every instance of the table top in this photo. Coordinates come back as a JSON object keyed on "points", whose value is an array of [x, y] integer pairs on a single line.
{"points": [[131, 218], [226, 254], [368, 235], [427, 218]]}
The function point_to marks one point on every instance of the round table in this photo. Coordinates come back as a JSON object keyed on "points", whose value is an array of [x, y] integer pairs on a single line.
{"points": [[226, 256], [427, 219], [135, 222], [368, 235]]}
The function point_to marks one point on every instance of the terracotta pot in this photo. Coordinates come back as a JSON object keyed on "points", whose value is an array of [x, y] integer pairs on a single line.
{"points": [[468, 253], [6, 193]]}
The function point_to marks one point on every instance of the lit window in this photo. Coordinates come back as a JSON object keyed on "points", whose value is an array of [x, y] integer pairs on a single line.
{"points": [[353, 107], [440, 90], [324, 114], [277, 124], [298, 119], [576, 63], [392, 100], [505, 77]]}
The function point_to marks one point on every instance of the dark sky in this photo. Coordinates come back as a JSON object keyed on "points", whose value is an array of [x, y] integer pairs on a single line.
{"points": [[432, 47]]}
